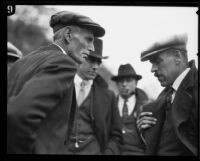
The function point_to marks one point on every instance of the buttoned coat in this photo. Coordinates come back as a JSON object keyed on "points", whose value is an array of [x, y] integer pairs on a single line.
{"points": [[184, 114], [105, 117], [141, 99], [40, 105]]}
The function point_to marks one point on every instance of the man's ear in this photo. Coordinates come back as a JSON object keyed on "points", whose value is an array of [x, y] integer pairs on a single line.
{"points": [[178, 57], [68, 34]]}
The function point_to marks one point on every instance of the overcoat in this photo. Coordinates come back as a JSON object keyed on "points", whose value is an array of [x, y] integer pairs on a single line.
{"points": [[184, 114], [40, 103], [105, 117]]}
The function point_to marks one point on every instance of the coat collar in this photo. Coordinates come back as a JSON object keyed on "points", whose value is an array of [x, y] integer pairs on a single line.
{"points": [[182, 105], [183, 96]]}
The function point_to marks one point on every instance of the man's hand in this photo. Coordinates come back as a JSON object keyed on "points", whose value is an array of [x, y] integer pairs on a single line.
{"points": [[145, 120]]}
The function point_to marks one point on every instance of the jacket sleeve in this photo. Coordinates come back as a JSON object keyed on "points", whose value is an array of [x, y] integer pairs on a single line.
{"points": [[115, 135], [38, 96]]}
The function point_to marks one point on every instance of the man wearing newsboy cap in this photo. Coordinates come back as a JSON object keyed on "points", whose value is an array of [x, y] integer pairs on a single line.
{"points": [[129, 101], [41, 95], [175, 132]]}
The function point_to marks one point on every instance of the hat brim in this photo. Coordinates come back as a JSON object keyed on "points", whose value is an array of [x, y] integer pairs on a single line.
{"points": [[98, 56], [97, 30], [153, 53], [117, 78], [13, 55]]}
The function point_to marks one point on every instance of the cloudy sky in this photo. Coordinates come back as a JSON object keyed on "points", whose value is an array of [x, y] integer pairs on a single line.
{"points": [[131, 29]]}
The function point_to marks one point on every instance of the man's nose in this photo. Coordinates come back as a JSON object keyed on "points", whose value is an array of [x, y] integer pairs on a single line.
{"points": [[91, 47], [95, 65], [154, 68], [124, 83]]}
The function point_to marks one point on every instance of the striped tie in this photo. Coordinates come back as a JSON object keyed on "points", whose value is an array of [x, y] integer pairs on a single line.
{"points": [[125, 109], [81, 94]]}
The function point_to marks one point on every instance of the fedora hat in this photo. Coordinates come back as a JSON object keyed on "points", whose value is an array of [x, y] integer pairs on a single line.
{"points": [[126, 71], [98, 45]]}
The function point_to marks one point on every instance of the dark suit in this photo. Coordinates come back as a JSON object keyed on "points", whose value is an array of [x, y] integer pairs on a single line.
{"points": [[106, 119], [132, 143], [40, 102], [184, 114]]}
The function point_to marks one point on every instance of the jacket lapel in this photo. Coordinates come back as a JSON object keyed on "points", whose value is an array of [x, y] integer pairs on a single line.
{"points": [[182, 106]]}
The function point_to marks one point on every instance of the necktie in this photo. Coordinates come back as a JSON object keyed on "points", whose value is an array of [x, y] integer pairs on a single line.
{"points": [[81, 94], [169, 98], [125, 109]]}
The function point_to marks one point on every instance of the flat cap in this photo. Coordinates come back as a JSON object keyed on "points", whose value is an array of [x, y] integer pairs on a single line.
{"points": [[13, 51], [65, 18], [173, 42]]}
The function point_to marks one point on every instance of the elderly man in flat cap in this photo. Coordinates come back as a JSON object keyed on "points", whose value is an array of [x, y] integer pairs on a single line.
{"points": [[129, 101], [175, 132], [97, 128], [13, 54], [41, 96]]}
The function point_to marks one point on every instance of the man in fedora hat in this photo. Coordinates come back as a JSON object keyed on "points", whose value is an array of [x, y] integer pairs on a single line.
{"points": [[13, 54], [176, 109], [96, 127], [129, 101], [41, 96]]}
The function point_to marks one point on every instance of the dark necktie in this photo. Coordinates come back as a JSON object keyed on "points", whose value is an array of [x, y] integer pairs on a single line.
{"points": [[169, 98], [125, 109]]}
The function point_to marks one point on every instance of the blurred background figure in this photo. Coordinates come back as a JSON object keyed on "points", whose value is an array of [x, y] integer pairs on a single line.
{"points": [[13, 54], [129, 100]]}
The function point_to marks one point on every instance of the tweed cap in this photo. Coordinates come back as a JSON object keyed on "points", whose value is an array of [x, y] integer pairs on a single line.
{"points": [[98, 45], [174, 42], [13, 51], [65, 18], [124, 71]]}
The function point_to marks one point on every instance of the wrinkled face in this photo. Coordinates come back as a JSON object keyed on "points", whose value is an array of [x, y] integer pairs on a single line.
{"points": [[126, 86], [164, 68], [81, 44], [88, 69]]}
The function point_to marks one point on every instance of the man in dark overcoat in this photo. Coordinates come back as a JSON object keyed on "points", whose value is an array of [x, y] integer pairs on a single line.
{"points": [[176, 109], [129, 102], [41, 99], [97, 128]]}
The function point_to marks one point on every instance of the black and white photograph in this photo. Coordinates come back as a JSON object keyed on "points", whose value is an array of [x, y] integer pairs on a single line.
{"points": [[102, 80]]}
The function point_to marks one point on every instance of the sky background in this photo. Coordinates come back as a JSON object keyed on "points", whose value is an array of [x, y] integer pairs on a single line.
{"points": [[131, 29]]}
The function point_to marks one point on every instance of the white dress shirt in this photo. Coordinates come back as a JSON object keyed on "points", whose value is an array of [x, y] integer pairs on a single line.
{"points": [[130, 103], [77, 83], [178, 81]]}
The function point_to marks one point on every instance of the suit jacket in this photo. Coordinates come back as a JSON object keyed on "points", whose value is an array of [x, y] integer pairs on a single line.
{"points": [[40, 102], [105, 118], [141, 99], [184, 114]]}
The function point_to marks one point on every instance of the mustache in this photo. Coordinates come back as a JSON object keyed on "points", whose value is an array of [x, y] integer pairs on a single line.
{"points": [[157, 74]]}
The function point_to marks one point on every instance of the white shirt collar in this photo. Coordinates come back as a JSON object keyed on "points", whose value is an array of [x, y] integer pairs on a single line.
{"points": [[63, 51], [78, 80], [77, 83], [179, 79], [130, 103]]}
